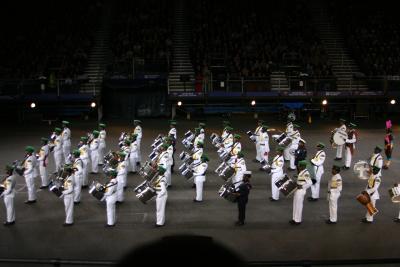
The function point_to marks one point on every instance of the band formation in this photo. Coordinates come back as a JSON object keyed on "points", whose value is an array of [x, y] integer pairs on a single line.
{"points": [[72, 168]]}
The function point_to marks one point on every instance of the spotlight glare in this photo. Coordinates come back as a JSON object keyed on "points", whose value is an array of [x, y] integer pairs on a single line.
{"points": [[33, 105], [393, 101], [253, 102], [324, 102], [93, 104], [179, 103]]}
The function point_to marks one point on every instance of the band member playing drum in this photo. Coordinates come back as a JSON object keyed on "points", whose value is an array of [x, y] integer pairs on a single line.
{"points": [[29, 174], [227, 142], [68, 195], [162, 196], [78, 175], [237, 146], [299, 154], [84, 150], [303, 183], [199, 137], [110, 196], [289, 131], [133, 155], [318, 164], [239, 164], [58, 149], [334, 190], [276, 172], [138, 131], [295, 137], [122, 173], [9, 193], [388, 147], [43, 162], [199, 173], [350, 145], [257, 132], [173, 134], [374, 181], [339, 148], [377, 159], [263, 142], [102, 142], [242, 197], [397, 219]]}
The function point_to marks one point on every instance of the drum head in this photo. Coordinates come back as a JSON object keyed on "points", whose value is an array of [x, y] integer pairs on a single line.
{"points": [[339, 138]]}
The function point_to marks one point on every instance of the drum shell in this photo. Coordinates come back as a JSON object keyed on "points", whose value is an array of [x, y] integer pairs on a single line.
{"points": [[146, 195], [227, 172], [395, 194], [364, 198], [286, 186]]}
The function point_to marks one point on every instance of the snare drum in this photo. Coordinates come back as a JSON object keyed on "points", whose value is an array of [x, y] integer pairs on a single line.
{"points": [[286, 142], [226, 172], [147, 171], [97, 190], [147, 194], [187, 173], [227, 191], [56, 186], [286, 185], [339, 138], [395, 194], [281, 137], [251, 136]]}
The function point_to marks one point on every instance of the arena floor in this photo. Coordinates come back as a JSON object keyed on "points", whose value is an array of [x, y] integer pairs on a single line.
{"points": [[267, 235]]}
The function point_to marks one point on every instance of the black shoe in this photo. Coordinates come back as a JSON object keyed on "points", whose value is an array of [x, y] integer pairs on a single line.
{"points": [[363, 220], [329, 222], [261, 169], [84, 186], [8, 223], [67, 224], [195, 200], [194, 186], [100, 164], [238, 223], [159, 225], [109, 225], [294, 222], [77, 202], [337, 159], [396, 220], [290, 169], [94, 173], [119, 202], [385, 167], [312, 199], [346, 168], [169, 186], [273, 199], [133, 172], [256, 161], [30, 201], [43, 186]]}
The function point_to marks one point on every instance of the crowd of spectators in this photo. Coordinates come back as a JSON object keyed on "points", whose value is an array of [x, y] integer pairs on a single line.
{"points": [[372, 32], [254, 38], [141, 35]]}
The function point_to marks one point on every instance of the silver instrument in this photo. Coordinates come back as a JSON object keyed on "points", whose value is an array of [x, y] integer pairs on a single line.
{"points": [[228, 191], [362, 169], [394, 193], [286, 185]]}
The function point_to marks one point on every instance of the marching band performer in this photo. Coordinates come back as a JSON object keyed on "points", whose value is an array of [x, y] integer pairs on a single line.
{"points": [[110, 198], [318, 163], [334, 190], [58, 149], [276, 172], [173, 133], [295, 136], [29, 174], [239, 164], [199, 137], [68, 195], [133, 155], [199, 173], [350, 145], [9, 195], [126, 148], [121, 177], [377, 159], [388, 144], [303, 183], [102, 142], [139, 133], [374, 181], [300, 153], [163, 157], [243, 197], [225, 133], [202, 127], [263, 143], [77, 166], [43, 162], [170, 150], [289, 131], [257, 133], [237, 146], [339, 149], [162, 196], [84, 150], [94, 152], [227, 142], [66, 141]]}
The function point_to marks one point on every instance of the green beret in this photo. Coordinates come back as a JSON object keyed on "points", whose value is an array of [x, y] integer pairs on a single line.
{"points": [[204, 158], [342, 120], [237, 136], [202, 124], [296, 126], [113, 173], [280, 148], [336, 167], [228, 128], [76, 152], [102, 125], [65, 122], [137, 121], [261, 121], [84, 138], [265, 126], [226, 123], [29, 149], [379, 148], [96, 132], [9, 168], [128, 142], [173, 123], [352, 125], [321, 145], [121, 153], [197, 129], [302, 163], [161, 169], [57, 130], [200, 144], [44, 139], [240, 154], [165, 146]]}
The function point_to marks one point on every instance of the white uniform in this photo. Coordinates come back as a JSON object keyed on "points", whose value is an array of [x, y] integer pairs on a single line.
{"points": [[161, 200], [288, 131], [133, 156], [68, 195], [318, 161], [167, 174], [257, 133], [94, 155], [29, 174], [102, 146], [172, 132], [263, 146], [239, 165], [228, 143], [197, 153], [351, 141], [276, 174], [377, 161], [304, 180], [339, 149], [199, 173], [58, 152], [78, 178], [121, 179], [84, 149], [110, 197], [127, 151], [199, 138], [334, 189], [236, 148], [164, 161], [295, 136], [374, 181], [66, 143], [138, 131], [43, 162], [9, 194]]}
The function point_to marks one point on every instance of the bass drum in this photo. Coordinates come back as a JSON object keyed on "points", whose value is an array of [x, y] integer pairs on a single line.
{"points": [[339, 138], [97, 190]]}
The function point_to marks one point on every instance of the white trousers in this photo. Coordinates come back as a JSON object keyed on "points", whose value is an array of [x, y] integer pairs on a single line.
{"points": [[348, 157], [102, 148], [77, 187], [339, 151], [69, 208], [110, 202], [298, 200], [43, 174], [367, 216], [286, 154], [9, 203], [274, 189], [30, 184], [94, 156], [315, 187], [168, 175], [120, 188], [258, 152], [66, 152], [199, 181], [292, 157], [58, 160], [132, 162], [139, 154], [85, 167], [333, 200], [160, 206]]}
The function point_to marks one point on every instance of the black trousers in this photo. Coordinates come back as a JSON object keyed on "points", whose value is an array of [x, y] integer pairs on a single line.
{"points": [[242, 210]]}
